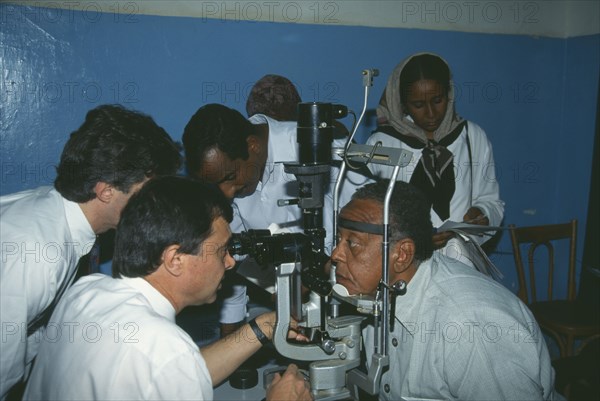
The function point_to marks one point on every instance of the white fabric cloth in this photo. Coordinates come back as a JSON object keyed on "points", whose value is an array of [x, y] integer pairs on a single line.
{"points": [[116, 339], [260, 210], [459, 335], [484, 193], [43, 236]]}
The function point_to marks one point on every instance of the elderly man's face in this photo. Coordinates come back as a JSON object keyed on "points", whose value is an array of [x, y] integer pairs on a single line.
{"points": [[358, 255]]}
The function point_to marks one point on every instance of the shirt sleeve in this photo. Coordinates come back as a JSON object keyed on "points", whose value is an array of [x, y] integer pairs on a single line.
{"points": [[486, 191], [26, 290], [489, 357]]}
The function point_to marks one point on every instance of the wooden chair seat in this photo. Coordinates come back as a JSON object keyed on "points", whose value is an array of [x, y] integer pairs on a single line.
{"points": [[569, 317]]}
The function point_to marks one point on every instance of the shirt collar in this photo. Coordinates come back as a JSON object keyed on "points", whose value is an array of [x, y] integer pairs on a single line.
{"points": [[82, 234], [159, 303]]}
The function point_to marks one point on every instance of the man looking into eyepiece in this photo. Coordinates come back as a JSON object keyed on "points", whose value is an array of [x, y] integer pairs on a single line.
{"points": [[245, 159], [119, 334], [457, 334]]}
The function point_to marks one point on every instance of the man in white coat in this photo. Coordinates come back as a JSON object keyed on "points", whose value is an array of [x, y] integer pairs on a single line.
{"points": [[45, 231]]}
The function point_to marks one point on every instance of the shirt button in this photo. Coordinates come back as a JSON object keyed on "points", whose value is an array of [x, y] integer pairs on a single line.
{"points": [[386, 388], [395, 342]]}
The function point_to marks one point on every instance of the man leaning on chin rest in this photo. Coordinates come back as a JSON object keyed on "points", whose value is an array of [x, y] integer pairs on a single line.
{"points": [[45, 231], [171, 251], [457, 333]]}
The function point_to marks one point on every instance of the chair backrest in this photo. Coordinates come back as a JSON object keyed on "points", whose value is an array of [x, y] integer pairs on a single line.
{"points": [[545, 235]]}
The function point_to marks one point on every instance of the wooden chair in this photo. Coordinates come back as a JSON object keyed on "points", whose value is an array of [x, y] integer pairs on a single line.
{"points": [[564, 319]]}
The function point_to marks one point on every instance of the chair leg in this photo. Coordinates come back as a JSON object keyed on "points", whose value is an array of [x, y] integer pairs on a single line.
{"points": [[560, 341]]}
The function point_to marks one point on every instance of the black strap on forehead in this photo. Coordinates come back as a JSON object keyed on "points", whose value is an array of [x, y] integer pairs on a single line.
{"points": [[360, 226]]}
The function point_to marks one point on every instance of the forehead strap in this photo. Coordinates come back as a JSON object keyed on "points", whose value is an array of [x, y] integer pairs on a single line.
{"points": [[360, 226]]}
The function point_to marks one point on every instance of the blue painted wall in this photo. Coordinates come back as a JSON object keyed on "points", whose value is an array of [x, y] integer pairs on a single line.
{"points": [[535, 97]]}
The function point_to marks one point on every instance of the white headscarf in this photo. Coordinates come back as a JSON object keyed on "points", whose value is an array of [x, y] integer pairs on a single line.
{"points": [[390, 110]]}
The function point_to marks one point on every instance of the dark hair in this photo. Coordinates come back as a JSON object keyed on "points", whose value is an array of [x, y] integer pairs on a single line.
{"points": [[215, 125], [424, 66], [117, 146], [166, 211], [274, 96], [410, 214]]}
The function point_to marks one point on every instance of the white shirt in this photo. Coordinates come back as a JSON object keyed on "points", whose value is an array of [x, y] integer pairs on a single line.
{"points": [[116, 339], [260, 210], [459, 335], [43, 236], [476, 184]]}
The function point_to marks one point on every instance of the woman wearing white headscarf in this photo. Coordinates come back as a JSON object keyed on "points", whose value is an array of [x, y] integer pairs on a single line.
{"points": [[452, 160]]}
